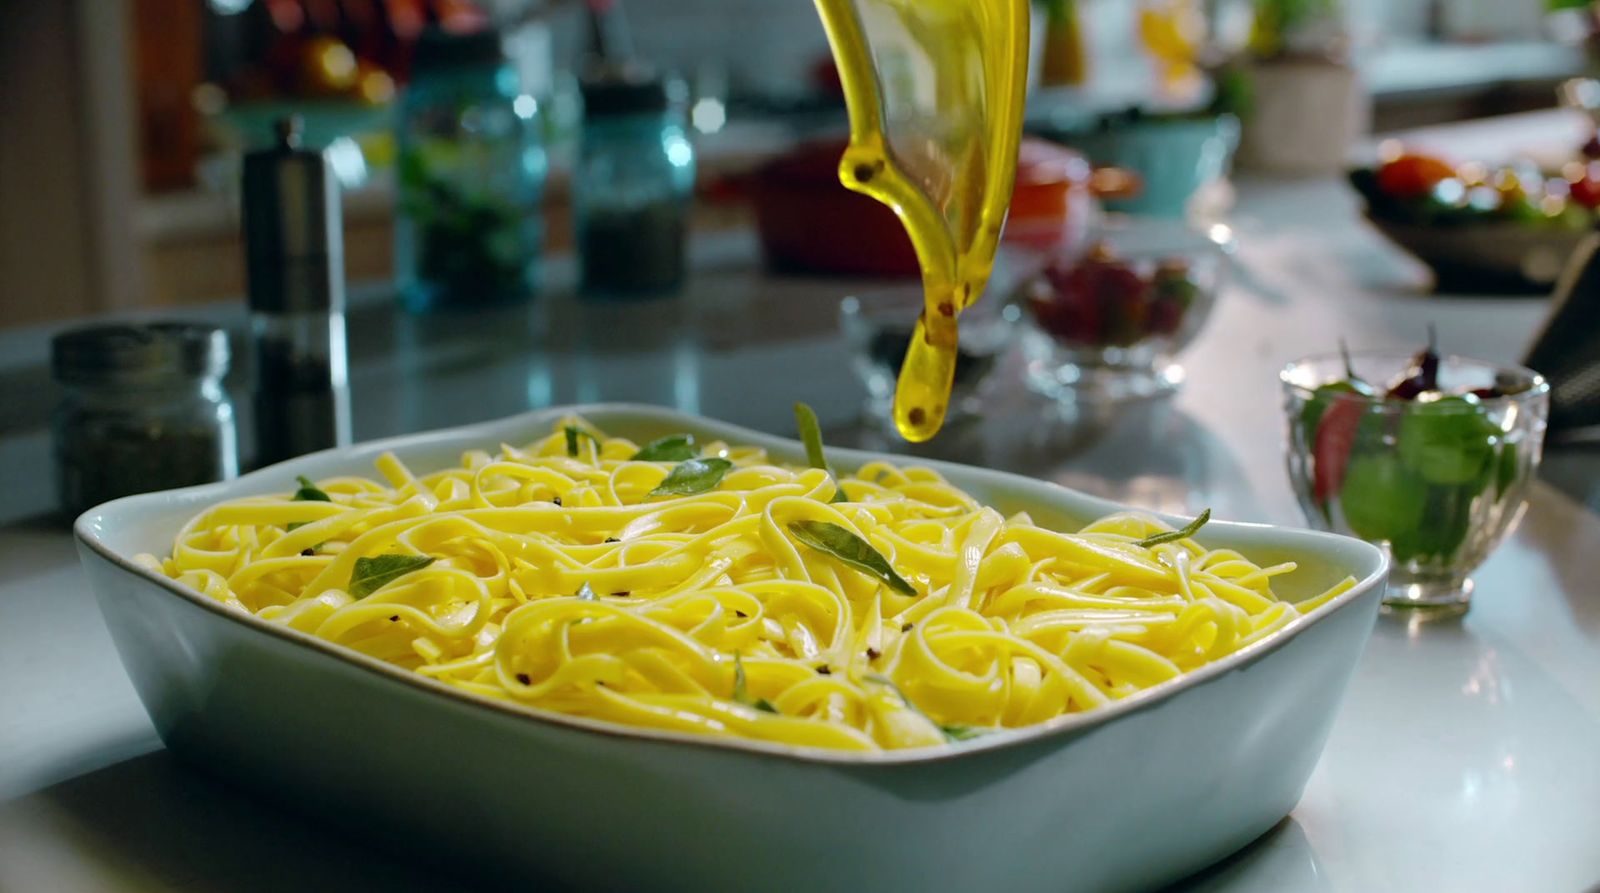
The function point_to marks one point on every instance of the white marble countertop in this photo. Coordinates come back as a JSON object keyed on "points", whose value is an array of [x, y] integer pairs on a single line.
{"points": [[1466, 756]]}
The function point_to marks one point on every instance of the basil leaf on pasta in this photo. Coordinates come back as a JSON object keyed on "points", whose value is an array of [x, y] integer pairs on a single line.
{"points": [[672, 448], [693, 476], [831, 539], [308, 491], [805, 420], [372, 574], [1172, 536], [958, 732], [573, 433], [741, 689]]}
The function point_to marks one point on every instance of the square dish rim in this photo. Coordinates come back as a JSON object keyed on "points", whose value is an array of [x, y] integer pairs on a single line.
{"points": [[85, 530]]}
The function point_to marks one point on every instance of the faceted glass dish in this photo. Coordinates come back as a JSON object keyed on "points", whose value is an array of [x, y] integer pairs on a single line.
{"points": [[1438, 482], [1108, 320]]}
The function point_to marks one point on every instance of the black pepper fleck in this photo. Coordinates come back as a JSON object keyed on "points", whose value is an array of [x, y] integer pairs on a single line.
{"points": [[906, 627], [308, 551], [740, 614], [556, 500], [393, 617], [916, 416], [824, 670], [873, 654], [612, 539], [623, 594], [864, 172], [523, 678]]}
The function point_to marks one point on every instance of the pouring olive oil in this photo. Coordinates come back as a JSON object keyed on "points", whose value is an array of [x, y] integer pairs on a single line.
{"points": [[935, 90]]}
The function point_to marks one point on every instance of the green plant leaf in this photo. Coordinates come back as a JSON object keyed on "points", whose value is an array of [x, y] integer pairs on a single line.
{"points": [[1172, 536], [959, 732], [741, 689], [573, 433], [308, 491], [693, 476], [805, 420], [372, 574], [672, 448], [839, 542]]}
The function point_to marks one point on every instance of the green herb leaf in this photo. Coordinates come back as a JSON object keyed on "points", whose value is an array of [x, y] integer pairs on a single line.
{"points": [[831, 539], [372, 574], [805, 419], [308, 491], [741, 690], [1172, 536], [672, 448], [693, 476], [573, 432], [886, 681], [959, 732], [586, 593]]}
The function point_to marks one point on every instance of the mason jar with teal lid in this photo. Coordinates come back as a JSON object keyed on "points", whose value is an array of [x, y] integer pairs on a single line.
{"points": [[472, 170]]}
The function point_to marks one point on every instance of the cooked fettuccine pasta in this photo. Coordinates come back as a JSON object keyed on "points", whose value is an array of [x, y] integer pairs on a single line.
{"points": [[706, 588]]}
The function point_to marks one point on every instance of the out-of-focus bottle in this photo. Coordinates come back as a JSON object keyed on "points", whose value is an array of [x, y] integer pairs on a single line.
{"points": [[294, 253], [472, 170], [634, 183], [142, 409]]}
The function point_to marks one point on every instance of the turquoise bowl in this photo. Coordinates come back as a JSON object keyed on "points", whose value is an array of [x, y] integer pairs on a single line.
{"points": [[1129, 796], [1174, 156]]}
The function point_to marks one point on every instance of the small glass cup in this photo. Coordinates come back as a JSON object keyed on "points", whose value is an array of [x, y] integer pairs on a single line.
{"points": [[1438, 481], [1108, 318], [878, 326]]}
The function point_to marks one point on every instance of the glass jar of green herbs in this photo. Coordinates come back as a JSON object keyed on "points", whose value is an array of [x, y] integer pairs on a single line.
{"points": [[142, 409], [471, 175]]}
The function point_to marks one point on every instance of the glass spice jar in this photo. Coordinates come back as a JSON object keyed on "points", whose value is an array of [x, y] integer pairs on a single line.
{"points": [[472, 170], [143, 410], [633, 184]]}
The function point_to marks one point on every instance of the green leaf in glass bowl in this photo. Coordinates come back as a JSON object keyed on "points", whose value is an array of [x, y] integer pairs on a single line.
{"points": [[1448, 441], [1446, 521], [1381, 497]]}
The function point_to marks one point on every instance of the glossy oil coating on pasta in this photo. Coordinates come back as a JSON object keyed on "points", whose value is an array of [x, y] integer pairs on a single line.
{"points": [[559, 582]]}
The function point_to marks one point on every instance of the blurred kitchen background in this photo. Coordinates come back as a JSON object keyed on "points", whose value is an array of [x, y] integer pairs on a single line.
{"points": [[125, 120]]}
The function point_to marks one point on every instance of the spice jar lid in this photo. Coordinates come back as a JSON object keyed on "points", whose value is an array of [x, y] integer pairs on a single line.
{"points": [[626, 90], [438, 50], [139, 354]]}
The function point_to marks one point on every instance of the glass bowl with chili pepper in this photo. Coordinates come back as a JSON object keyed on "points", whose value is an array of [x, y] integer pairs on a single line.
{"points": [[1108, 319], [1429, 456], [878, 325]]}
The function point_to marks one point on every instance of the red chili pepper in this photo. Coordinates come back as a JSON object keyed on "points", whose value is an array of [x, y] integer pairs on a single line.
{"points": [[1330, 449]]}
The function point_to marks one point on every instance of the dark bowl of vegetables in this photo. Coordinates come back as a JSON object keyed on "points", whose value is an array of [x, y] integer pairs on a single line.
{"points": [[1430, 456], [1482, 230], [1109, 319]]}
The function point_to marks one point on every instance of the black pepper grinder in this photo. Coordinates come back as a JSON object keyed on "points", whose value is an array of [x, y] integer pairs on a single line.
{"points": [[294, 256]]}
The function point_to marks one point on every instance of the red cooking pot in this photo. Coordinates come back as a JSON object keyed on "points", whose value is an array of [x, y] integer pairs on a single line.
{"points": [[809, 222]]}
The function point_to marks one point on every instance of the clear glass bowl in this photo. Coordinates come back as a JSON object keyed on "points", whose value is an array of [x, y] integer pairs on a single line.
{"points": [[1438, 482], [1109, 318], [878, 327]]}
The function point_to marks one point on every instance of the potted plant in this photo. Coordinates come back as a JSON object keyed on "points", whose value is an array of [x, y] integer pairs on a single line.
{"points": [[1301, 100]]}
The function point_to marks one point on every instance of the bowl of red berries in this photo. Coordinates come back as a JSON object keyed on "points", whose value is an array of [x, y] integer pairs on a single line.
{"points": [[1109, 319]]}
